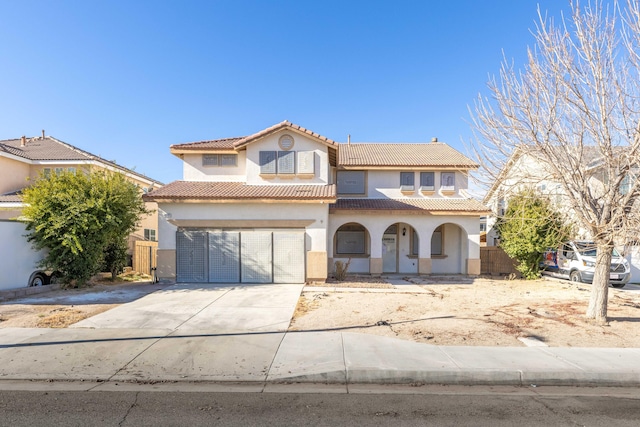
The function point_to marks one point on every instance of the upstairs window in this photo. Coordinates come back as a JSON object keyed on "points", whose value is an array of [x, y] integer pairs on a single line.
{"points": [[219, 160], [229, 160], [448, 181], [209, 160], [351, 182], [286, 162], [427, 181], [268, 162], [150, 234], [407, 180]]}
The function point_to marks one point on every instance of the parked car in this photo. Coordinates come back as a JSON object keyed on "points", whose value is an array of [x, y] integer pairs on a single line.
{"points": [[576, 261]]}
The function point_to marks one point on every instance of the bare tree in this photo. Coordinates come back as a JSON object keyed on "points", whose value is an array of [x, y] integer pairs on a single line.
{"points": [[575, 108]]}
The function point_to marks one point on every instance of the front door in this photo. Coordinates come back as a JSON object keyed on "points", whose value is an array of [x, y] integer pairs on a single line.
{"points": [[389, 253]]}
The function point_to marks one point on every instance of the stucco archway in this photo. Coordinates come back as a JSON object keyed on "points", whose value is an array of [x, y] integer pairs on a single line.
{"points": [[449, 249]]}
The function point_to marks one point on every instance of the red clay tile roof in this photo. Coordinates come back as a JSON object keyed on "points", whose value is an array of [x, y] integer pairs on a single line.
{"points": [[431, 205], [13, 197], [432, 154], [238, 142], [282, 125], [216, 144], [49, 148], [199, 190]]}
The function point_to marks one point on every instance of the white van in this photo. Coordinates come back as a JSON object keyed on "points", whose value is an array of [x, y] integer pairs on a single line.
{"points": [[576, 261]]}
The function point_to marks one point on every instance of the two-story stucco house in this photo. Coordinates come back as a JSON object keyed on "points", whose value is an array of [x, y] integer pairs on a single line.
{"points": [[282, 205], [24, 159]]}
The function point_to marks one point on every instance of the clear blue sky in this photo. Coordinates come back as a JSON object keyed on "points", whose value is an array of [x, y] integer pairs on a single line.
{"points": [[126, 79]]}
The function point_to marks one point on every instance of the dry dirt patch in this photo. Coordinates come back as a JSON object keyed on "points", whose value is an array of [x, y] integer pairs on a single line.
{"points": [[61, 308], [484, 313]]}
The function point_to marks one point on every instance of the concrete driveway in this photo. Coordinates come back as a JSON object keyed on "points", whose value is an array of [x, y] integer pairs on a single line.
{"points": [[213, 308]]}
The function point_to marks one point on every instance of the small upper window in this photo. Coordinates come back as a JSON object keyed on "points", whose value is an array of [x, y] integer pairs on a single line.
{"points": [[209, 160], [150, 234], [47, 172], [286, 162], [229, 160], [59, 171], [407, 180], [427, 181], [71, 170], [448, 181], [286, 142]]}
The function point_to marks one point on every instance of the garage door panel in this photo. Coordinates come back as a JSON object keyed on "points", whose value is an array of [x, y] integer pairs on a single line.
{"points": [[256, 257], [191, 262], [288, 257], [224, 257]]}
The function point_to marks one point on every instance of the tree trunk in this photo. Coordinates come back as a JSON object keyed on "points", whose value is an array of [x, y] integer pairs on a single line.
{"points": [[600, 289]]}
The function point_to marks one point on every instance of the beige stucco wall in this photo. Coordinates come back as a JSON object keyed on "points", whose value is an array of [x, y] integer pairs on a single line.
{"points": [[301, 143], [13, 175], [192, 169], [386, 184]]}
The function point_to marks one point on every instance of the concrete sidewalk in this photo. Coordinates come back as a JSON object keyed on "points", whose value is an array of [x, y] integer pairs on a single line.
{"points": [[156, 355], [190, 333]]}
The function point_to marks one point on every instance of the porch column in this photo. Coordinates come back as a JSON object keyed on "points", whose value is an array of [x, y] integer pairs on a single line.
{"points": [[375, 257], [473, 259]]}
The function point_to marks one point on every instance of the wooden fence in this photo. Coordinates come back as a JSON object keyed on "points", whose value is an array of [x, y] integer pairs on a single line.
{"points": [[144, 256], [494, 261]]}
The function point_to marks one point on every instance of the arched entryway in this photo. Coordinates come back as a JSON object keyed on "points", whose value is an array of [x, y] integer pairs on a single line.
{"points": [[352, 240], [449, 249]]}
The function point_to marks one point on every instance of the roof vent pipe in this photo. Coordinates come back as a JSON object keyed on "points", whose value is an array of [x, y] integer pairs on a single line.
{"points": [[23, 141], [42, 133], [349, 139]]}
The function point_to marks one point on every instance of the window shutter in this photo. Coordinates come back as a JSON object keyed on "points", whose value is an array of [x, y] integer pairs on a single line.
{"points": [[268, 162], [306, 162], [286, 162]]}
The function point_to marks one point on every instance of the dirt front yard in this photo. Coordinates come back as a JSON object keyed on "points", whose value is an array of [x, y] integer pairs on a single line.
{"points": [[439, 311], [479, 312]]}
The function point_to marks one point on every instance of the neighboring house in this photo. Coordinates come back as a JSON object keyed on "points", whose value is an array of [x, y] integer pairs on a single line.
{"points": [[23, 160], [282, 205], [526, 170]]}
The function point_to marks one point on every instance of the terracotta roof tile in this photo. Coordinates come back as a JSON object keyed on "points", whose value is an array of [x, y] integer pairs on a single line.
{"points": [[282, 125], [49, 148], [198, 190], [216, 144], [424, 204], [13, 197], [432, 154]]}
